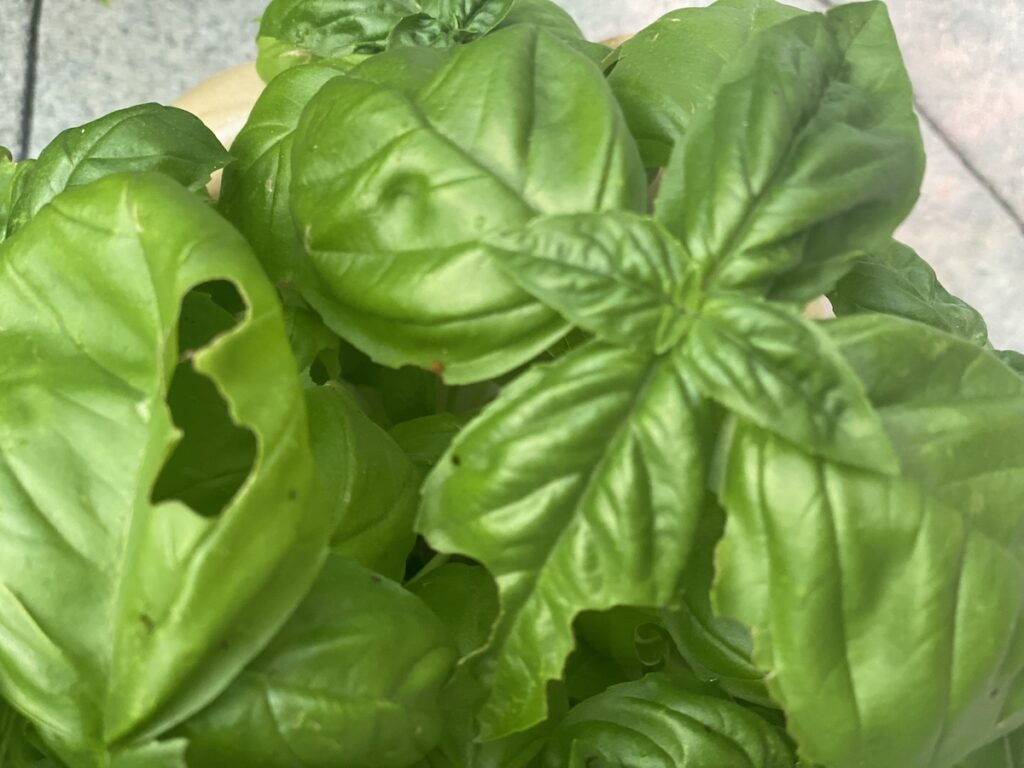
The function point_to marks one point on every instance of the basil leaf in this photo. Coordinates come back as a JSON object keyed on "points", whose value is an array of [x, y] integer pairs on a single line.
{"points": [[120, 616], [545, 15], [952, 411], [470, 18], [718, 649], [148, 137], [887, 610], [669, 72], [352, 679], [1013, 359], [768, 365], [809, 153], [12, 179], [293, 32], [466, 600], [559, 536], [1007, 752], [396, 194], [421, 30], [618, 275], [656, 723], [894, 280], [372, 486], [254, 189], [426, 439]]}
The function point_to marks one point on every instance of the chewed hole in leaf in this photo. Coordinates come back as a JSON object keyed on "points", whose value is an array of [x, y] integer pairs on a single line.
{"points": [[214, 455]]}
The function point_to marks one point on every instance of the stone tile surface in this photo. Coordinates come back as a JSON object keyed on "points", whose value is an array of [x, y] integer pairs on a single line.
{"points": [[14, 22], [966, 59]]}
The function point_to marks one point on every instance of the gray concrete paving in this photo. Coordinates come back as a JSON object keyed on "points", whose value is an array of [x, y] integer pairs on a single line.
{"points": [[966, 59]]}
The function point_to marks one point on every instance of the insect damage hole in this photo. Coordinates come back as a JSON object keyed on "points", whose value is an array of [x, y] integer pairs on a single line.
{"points": [[215, 455]]}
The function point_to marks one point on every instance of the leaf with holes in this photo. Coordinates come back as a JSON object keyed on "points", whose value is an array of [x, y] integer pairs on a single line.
{"points": [[608, 523], [395, 195], [352, 679], [122, 608], [888, 610]]}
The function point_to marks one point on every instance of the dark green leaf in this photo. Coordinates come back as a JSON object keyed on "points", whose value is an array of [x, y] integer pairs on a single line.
{"points": [[372, 486], [293, 32], [148, 137], [421, 30], [888, 610], [894, 280], [1007, 752], [572, 490], [543, 14], [619, 275], [669, 72], [353, 679], [770, 366], [395, 195], [1013, 359], [718, 649], [655, 723], [808, 153], [118, 616], [426, 439]]}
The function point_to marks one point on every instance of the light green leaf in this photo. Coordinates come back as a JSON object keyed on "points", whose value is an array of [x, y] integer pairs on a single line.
{"points": [[254, 189], [372, 486], [395, 195], [888, 610], [808, 153], [770, 366], [669, 72], [147, 137], [12, 179], [894, 280], [608, 523], [353, 679], [120, 616], [656, 723], [619, 275], [293, 32]]}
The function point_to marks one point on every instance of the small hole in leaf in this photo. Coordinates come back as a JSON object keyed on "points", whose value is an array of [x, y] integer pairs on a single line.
{"points": [[214, 455]]}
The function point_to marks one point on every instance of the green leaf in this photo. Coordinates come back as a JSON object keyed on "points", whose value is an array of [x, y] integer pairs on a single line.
{"points": [[808, 153], [426, 439], [888, 610], [311, 341], [147, 137], [293, 32], [395, 195], [353, 679], [254, 189], [718, 649], [619, 275], [465, 598], [608, 523], [770, 366], [1007, 752], [670, 71], [894, 280], [542, 14], [12, 179], [656, 723], [421, 30], [120, 616], [372, 486], [1013, 359]]}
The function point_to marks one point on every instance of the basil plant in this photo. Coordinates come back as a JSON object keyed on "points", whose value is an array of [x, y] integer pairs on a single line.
{"points": [[479, 423]]}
